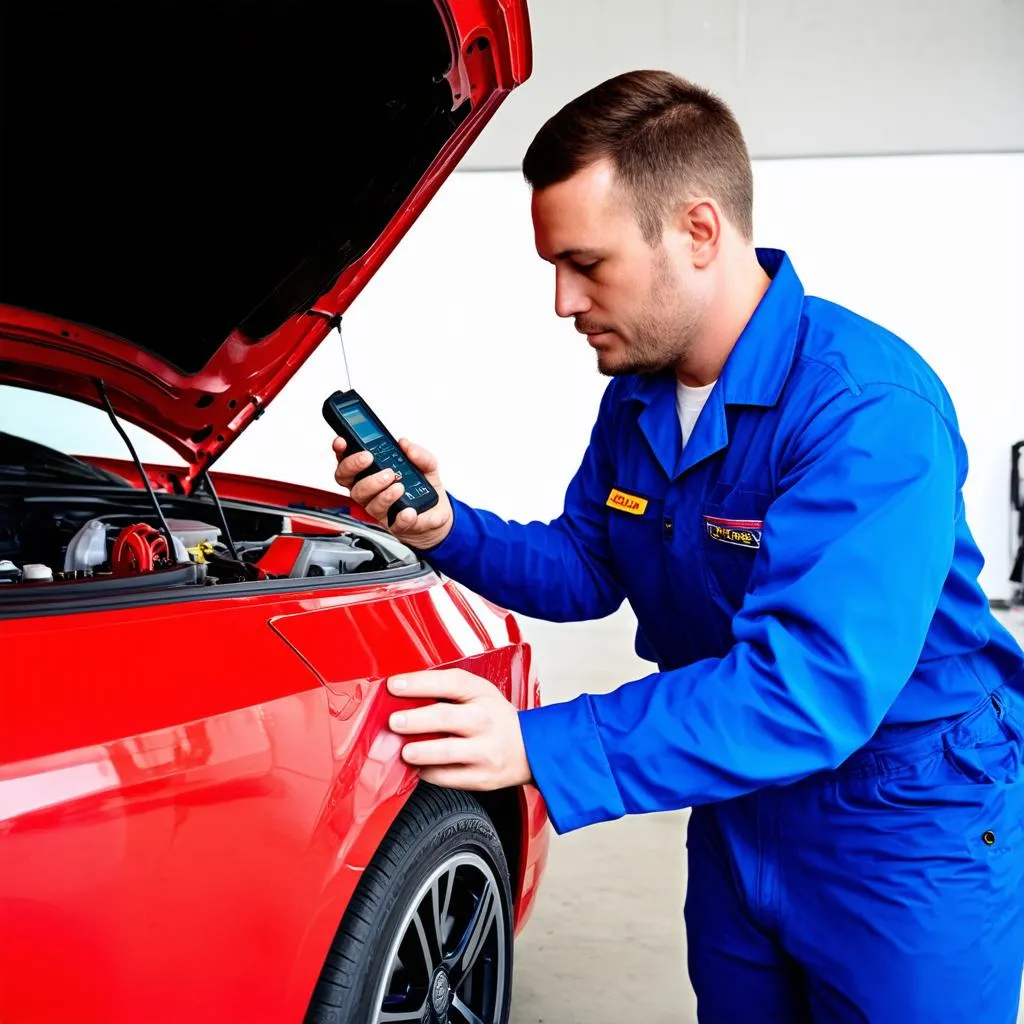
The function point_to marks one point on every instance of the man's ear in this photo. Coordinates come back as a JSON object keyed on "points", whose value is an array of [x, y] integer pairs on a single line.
{"points": [[701, 221]]}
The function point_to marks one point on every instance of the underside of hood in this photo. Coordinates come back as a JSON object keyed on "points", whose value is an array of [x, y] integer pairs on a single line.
{"points": [[192, 190]]}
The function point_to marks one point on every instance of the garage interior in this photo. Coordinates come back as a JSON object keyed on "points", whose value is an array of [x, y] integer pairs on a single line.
{"points": [[849, 110], [872, 127]]}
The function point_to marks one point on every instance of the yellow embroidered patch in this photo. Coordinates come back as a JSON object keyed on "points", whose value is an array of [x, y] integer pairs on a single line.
{"points": [[627, 502]]}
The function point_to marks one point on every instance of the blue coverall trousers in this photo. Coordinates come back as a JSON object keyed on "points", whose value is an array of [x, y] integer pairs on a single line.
{"points": [[889, 890]]}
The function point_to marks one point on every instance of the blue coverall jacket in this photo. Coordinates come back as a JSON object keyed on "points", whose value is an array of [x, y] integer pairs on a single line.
{"points": [[802, 574]]}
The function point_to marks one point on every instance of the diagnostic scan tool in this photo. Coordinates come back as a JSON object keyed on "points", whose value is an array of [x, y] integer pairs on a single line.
{"points": [[351, 418]]}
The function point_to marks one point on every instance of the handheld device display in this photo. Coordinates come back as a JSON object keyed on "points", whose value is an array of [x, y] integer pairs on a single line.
{"points": [[351, 418]]}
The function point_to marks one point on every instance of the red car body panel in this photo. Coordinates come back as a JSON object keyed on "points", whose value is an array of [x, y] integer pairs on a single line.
{"points": [[199, 415], [192, 784], [186, 850]]}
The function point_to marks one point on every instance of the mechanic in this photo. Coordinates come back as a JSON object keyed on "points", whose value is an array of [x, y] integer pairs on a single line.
{"points": [[774, 484]]}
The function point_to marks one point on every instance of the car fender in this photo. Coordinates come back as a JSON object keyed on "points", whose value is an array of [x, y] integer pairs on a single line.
{"points": [[371, 783]]}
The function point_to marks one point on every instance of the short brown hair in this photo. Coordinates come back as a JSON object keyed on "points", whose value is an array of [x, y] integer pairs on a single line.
{"points": [[666, 138]]}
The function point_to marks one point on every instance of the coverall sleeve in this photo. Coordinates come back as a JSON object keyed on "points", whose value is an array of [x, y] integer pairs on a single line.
{"points": [[560, 571], [855, 549]]}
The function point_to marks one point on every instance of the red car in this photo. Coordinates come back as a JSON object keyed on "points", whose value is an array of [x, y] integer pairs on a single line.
{"points": [[203, 816]]}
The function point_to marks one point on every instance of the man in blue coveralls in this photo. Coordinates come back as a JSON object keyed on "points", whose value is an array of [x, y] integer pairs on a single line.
{"points": [[774, 484]]}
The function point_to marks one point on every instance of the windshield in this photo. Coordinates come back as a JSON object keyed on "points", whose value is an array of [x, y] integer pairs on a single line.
{"points": [[25, 460], [41, 436]]}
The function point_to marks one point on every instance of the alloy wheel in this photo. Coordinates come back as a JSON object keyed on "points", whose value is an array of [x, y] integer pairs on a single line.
{"points": [[447, 962]]}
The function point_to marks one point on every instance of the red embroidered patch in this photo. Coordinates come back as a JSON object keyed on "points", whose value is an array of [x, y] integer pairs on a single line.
{"points": [[744, 533]]}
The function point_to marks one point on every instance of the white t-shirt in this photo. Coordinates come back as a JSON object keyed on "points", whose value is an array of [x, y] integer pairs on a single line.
{"points": [[689, 402]]}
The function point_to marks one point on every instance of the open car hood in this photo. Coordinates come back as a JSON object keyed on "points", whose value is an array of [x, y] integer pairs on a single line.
{"points": [[193, 191]]}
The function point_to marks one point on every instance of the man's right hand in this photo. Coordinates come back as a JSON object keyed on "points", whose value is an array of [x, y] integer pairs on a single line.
{"points": [[377, 493]]}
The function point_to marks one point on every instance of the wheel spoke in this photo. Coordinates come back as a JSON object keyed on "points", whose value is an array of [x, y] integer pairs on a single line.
{"points": [[472, 942], [407, 1016], [395, 1016], [421, 934], [481, 927], [439, 904], [449, 889], [466, 1015]]}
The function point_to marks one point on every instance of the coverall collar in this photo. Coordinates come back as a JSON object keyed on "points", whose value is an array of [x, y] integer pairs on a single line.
{"points": [[754, 373]]}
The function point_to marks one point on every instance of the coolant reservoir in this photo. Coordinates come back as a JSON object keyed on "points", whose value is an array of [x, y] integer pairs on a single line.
{"points": [[192, 533], [88, 547]]}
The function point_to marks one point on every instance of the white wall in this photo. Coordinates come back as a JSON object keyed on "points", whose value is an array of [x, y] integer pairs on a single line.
{"points": [[456, 343], [805, 78]]}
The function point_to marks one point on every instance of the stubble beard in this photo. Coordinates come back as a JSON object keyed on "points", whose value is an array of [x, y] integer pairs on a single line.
{"points": [[662, 336]]}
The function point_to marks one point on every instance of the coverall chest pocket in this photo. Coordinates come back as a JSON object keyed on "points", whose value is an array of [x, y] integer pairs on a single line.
{"points": [[732, 521]]}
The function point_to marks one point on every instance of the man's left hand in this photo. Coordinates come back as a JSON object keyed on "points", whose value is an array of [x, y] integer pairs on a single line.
{"points": [[481, 745]]}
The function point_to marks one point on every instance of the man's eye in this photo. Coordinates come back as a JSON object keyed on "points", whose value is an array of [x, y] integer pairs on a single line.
{"points": [[585, 268]]}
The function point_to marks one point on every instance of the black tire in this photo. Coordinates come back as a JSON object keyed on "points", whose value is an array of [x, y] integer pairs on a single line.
{"points": [[443, 864]]}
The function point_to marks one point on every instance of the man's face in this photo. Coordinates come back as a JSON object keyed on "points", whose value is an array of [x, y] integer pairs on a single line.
{"points": [[638, 305]]}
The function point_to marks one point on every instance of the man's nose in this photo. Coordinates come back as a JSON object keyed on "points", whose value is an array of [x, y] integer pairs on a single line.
{"points": [[570, 298]]}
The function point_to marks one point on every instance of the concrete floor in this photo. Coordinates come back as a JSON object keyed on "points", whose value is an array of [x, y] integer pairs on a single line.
{"points": [[606, 941]]}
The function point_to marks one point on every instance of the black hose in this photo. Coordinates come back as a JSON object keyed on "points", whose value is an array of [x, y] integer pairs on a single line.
{"points": [[171, 553], [223, 518]]}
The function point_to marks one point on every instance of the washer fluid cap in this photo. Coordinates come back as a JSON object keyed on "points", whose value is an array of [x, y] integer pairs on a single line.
{"points": [[36, 573]]}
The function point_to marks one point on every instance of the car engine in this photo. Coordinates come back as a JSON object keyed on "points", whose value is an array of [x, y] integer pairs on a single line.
{"points": [[44, 540], [71, 529]]}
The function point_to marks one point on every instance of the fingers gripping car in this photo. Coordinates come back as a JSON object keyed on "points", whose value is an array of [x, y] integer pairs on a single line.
{"points": [[203, 814]]}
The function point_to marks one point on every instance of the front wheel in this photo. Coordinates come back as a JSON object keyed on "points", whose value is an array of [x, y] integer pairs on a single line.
{"points": [[427, 937]]}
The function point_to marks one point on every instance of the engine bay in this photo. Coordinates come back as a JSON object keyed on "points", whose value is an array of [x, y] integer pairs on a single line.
{"points": [[70, 530], [50, 540]]}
